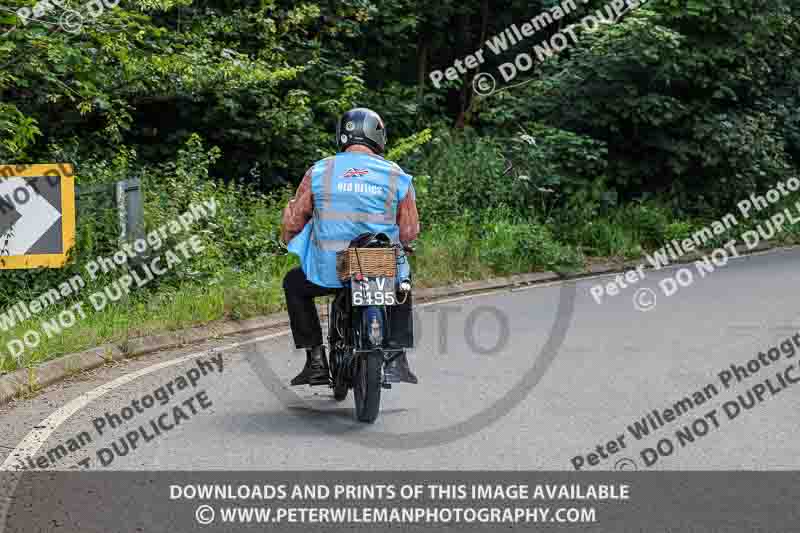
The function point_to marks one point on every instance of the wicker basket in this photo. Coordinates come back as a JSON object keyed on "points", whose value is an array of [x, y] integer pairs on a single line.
{"points": [[367, 261]]}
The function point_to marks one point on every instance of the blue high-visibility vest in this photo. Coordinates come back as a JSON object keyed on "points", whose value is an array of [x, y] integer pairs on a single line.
{"points": [[354, 193]]}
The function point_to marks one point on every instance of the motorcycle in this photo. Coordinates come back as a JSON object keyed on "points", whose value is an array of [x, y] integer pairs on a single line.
{"points": [[360, 338]]}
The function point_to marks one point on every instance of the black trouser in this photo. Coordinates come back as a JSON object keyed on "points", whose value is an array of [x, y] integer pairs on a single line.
{"points": [[304, 319], [303, 316]]}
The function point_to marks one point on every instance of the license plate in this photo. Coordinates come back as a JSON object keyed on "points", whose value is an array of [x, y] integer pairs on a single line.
{"points": [[373, 291]]}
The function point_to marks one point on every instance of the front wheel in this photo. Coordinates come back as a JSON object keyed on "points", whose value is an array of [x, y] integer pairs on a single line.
{"points": [[367, 386]]}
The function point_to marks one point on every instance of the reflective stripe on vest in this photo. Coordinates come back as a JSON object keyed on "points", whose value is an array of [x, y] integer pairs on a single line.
{"points": [[389, 215], [331, 245], [344, 208]]}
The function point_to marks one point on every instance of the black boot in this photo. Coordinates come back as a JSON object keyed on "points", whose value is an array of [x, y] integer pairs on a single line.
{"points": [[398, 371], [316, 370]]}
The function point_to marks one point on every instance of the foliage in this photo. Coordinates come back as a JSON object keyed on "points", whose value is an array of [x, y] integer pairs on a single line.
{"points": [[697, 87], [410, 145], [634, 135], [705, 89], [463, 171]]}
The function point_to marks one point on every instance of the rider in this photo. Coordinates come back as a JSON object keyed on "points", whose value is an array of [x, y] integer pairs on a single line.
{"points": [[356, 191]]}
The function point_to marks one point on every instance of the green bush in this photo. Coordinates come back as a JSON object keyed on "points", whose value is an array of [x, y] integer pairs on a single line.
{"points": [[679, 230], [647, 223], [477, 244], [462, 171], [604, 238], [623, 231], [510, 245]]}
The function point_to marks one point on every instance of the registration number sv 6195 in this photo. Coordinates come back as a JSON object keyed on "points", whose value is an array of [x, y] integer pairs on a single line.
{"points": [[373, 291]]}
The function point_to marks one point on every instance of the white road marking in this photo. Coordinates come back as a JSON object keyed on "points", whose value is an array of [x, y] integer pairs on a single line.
{"points": [[33, 441]]}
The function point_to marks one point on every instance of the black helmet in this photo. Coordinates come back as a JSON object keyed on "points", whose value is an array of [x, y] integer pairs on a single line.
{"points": [[361, 126]]}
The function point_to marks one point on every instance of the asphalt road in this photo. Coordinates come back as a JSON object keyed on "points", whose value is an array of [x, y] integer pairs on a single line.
{"points": [[615, 365]]}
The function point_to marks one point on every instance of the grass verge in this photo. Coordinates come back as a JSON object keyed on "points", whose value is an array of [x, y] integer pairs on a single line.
{"points": [[467, 247]]}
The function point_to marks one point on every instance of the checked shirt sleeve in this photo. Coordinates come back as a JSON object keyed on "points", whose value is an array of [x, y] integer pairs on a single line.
{"points": [[408, 217], [299, 210]]}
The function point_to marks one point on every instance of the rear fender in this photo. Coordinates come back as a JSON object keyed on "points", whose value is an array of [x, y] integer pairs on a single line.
{"points": [[370, 326]]}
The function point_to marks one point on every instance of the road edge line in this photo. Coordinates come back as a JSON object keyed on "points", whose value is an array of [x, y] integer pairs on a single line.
{"points": [[33, 380]]}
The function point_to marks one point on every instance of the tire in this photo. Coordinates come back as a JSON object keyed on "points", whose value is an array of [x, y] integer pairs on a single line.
{"points": [[339, 387], [338, 376], [367, 386], [339, 372], [339, 392]]}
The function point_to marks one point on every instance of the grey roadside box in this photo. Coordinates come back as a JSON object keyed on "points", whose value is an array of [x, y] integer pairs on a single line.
{"points": [[128, 195], [126, 198]]}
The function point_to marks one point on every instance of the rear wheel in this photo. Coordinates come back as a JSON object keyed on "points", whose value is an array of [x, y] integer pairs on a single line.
{"points": [[367, 386]]}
